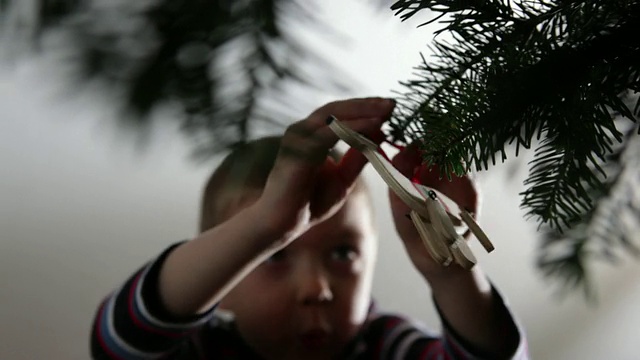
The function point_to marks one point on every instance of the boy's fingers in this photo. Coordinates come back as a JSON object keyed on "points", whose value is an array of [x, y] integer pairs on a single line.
{"points": [[302, 141], [460, 189], [364, 115], [346, 110], [306, 143]]}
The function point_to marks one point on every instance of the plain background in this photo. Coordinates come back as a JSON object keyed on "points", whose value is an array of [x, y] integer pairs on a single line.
{"points": [[81, 208]]}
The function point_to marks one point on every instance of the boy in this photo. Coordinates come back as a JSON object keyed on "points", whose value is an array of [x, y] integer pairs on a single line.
{"points": [[283, 266]]}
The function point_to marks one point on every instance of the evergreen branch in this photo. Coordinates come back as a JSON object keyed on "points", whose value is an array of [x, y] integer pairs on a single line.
{"points": [[500, 85], [185, 52], [604, 231]]}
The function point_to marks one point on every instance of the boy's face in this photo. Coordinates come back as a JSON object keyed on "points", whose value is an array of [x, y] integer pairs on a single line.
{"points": [[310, 299]]}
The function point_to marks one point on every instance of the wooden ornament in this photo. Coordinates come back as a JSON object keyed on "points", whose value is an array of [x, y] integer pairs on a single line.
{"points": [[477, 231], [438, 249], [434, 224]]}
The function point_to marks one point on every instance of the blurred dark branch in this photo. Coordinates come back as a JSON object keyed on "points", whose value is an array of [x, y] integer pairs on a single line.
{"points": [[218, 60], [609, 229]]}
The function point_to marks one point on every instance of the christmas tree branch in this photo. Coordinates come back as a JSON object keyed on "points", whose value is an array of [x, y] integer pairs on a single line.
{"points": [[219, 61], [500, 85], [606, 229]]}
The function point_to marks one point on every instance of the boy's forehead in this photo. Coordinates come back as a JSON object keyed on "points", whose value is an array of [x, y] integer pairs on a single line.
{"points": [[359, 204], [356, 215], [354, 221]]}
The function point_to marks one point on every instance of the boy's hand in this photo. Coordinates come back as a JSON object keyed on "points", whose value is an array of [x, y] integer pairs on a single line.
{"points": [[305, 187], [460, 189]]}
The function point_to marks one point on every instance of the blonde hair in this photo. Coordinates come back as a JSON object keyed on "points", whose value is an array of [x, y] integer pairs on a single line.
{"points": [[245, 169]]}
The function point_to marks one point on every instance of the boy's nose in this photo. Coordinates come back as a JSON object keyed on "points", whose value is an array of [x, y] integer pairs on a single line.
{"points": [[314, 287]]}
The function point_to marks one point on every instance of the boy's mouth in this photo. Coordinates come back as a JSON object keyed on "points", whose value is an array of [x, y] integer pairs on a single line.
{"points": [[314, 339]]}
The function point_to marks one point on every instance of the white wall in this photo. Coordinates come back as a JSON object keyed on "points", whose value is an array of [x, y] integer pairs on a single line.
{"points": [[80, 209]]}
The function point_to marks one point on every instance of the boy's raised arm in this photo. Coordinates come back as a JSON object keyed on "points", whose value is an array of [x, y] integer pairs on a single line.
{"points": [[186, 282], [158, 307], [475, 313], [201, 272], [471, 309]]}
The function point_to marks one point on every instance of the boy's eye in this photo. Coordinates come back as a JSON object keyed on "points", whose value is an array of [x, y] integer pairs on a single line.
{"points": [[344, 253]]}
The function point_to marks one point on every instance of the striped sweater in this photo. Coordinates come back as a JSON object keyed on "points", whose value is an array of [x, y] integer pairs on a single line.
{"points": [[131, 324]]}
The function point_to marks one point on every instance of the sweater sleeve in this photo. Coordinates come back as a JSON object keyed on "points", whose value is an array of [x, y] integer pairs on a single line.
{"points": [[131, 322], [460, 347], [397, 337]]}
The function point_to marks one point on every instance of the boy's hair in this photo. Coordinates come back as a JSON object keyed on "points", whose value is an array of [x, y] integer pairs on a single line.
{"points": [[247, 167]]}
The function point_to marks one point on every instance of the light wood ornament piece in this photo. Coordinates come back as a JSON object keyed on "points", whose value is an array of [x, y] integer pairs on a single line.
{"points": [[433, 222]]}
